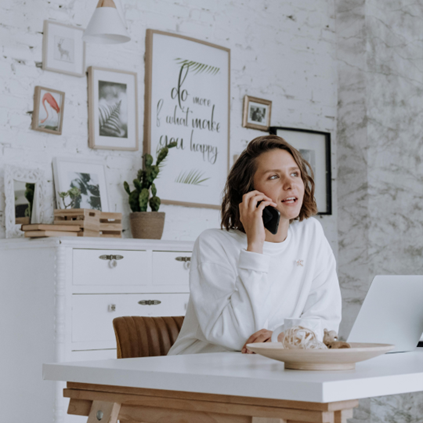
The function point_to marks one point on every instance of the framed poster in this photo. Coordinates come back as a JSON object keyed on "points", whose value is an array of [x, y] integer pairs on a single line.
{"points": [[86, 175], [63, 49], [112, 109], [187, 101], [314, 147], [48, 110], [256, 113]]}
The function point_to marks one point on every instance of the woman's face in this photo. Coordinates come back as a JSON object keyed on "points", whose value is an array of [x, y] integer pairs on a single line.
{"points": [[279, 177]]}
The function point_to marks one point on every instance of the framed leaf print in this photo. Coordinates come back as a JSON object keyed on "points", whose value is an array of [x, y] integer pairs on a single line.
{"points": [[112, 109], [187, 101], [86, 175]]}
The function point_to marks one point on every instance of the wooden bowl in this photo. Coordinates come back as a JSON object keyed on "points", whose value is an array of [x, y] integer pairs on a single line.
{"points": [[331, 359]]}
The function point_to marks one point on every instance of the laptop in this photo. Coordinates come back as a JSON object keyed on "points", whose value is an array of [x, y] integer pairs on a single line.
{"points": [[392, 313]]}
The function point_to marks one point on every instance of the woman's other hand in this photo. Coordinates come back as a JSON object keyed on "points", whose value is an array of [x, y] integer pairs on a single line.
{"points": [[262, 335], [251, 218]]}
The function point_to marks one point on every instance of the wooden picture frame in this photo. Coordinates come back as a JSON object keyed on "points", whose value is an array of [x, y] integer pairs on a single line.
{"points": [[47, 115], [112, 109], [315, 147], [187, 84], [256, 113], [63, 49]]}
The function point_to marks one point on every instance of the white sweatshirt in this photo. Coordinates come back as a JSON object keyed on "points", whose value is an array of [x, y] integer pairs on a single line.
{"points": [[235, 293]]}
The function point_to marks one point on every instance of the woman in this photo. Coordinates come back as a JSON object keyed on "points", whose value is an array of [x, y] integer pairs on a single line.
{"points": [[244, 280]]}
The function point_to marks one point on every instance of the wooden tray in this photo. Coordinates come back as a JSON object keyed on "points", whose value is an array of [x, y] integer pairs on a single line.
{"points": [[49, 227], [87, 220], [111, 225], [40, 234], [338, 359]]}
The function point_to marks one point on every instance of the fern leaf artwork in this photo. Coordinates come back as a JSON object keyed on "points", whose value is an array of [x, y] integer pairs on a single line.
{"points": [[110, 123], [197, 67], [193, 177]]}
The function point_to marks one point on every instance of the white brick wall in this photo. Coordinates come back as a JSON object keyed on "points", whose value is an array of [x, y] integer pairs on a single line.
{"points": [[282, 51]]}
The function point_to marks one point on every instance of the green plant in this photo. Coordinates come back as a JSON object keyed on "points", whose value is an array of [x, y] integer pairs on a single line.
{"points": [[73, 193], [139, 198], [29, 195]]}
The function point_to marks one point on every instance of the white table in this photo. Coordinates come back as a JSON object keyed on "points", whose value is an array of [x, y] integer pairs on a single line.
{"points": [[228, 387]]}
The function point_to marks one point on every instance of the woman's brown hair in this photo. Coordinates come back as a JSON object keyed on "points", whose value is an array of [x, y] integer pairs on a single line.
{"points": [[241, 180]]}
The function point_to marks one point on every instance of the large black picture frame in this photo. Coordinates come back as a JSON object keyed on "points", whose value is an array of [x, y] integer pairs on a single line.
{"points": [[315, 147]]}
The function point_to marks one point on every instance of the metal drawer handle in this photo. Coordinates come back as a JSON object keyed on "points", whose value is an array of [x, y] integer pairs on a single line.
{"points": [[149, 302], [186, 260], [112, 259], [112, 307]]}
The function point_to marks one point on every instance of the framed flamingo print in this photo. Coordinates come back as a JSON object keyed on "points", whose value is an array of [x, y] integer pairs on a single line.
{"points": [[48, 110], [112, 109]]}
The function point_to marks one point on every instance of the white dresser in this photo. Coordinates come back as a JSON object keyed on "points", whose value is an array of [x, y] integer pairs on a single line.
{"points": [[58, 298]]}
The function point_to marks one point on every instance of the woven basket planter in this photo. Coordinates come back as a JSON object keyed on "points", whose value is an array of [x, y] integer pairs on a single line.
{"points": [[147, 225]]}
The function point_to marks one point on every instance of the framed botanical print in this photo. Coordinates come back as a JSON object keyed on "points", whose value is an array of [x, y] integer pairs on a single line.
{"points": [[112, 109], [48, 110], [256, 113], [187, 101], [314, 147], [86, 175], [63, 49]]}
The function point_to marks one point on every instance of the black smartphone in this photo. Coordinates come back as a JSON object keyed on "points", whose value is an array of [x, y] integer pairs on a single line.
{"points": [[271, 217]]}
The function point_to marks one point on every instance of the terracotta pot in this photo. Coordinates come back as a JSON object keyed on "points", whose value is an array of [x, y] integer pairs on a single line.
{"points": [[147, 225]]}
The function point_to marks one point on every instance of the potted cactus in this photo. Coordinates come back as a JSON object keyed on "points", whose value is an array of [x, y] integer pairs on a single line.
{"points": [[144, 224]]}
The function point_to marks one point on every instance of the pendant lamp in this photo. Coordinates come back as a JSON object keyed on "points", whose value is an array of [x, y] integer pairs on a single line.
{"points": [[106, 25]]}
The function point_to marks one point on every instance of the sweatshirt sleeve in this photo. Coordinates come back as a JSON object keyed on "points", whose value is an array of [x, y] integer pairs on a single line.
{"points": [[229, 306], [324, 299]]}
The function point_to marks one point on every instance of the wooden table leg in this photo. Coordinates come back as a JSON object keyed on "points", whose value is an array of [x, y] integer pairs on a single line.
{"points": [[104, 412], [342, 416]]}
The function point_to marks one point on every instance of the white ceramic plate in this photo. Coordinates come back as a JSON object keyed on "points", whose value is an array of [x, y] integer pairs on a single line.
{"points": [[331, 359]]}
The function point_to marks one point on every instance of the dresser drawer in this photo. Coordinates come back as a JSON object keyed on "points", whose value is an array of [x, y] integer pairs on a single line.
{"points": [[98, 267], [171, 268], [92, 315]]}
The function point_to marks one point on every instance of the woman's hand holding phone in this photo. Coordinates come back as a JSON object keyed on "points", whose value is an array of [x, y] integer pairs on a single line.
{"points": [[251, 217]]}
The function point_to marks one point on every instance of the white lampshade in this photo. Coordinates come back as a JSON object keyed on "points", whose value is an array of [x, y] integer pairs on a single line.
{"points": [[106, 25]]}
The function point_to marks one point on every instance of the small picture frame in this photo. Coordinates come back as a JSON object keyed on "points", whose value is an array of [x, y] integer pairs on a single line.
{"points": [[86, 175], [47, 115], [112, 109], [315, 148], [63, 49], [256, 113]]}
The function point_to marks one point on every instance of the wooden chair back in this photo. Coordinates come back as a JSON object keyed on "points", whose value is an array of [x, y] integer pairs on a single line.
{"points": [[138, 336]]}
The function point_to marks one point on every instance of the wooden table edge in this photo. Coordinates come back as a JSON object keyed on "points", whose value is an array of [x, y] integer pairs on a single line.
{"points": [[151, 405]]}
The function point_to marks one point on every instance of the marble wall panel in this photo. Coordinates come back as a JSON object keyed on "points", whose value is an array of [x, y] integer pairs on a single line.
{"points": [[352, 159], [380, 172]]}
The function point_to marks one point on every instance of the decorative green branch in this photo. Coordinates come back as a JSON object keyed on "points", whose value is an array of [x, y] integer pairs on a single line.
{"points": [[192, 177], [198, 67], [73, 194]]}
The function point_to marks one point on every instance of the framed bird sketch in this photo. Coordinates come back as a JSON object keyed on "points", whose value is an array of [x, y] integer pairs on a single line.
{"points": [[63, 49], [187, 101], [47, 115], [112, 109]]}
